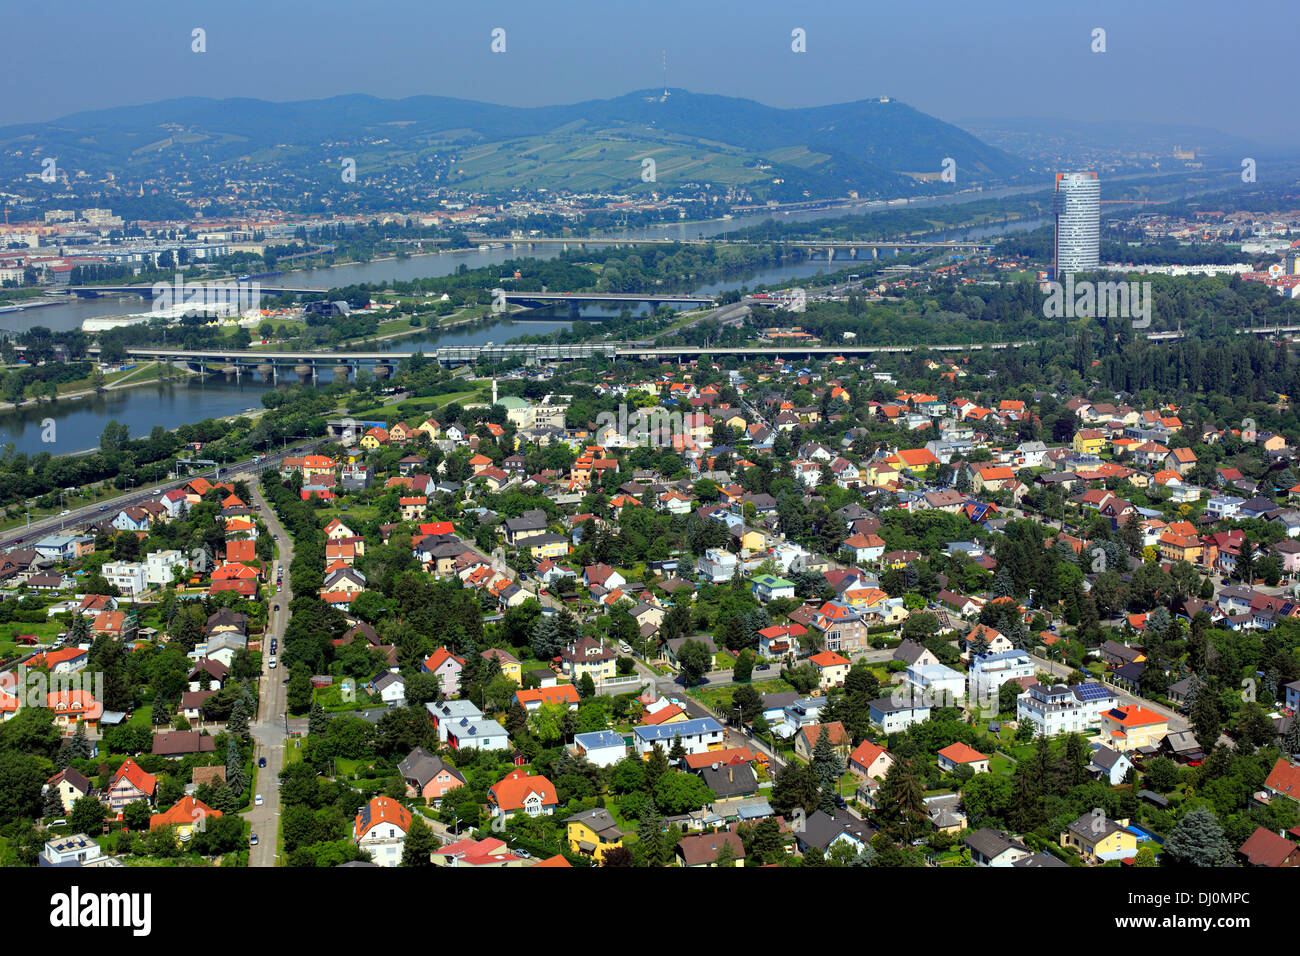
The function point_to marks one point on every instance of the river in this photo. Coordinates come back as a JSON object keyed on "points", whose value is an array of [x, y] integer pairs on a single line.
{"points": [[79, 423]]}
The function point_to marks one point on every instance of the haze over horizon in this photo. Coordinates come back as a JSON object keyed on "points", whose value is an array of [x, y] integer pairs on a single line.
{"points": [[1008, 60]]}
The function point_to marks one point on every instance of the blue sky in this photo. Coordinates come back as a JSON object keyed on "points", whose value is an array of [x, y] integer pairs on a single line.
{"points": [[1191, 62]]}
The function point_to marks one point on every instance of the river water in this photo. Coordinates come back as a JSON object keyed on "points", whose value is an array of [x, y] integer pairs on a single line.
{"points": [[79, 423]]}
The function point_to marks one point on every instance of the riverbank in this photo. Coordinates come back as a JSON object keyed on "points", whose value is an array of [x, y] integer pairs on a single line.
{"points": [[135, 376]]}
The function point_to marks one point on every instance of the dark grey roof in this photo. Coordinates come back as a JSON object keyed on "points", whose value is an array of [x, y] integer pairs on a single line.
{"points": [[909, 651], [733, 780], [1039, 860], [820, 830], [1105, 758], [991, 843]]}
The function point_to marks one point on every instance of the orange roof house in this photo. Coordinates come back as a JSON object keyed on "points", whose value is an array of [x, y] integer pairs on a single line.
{"points": [[959, 755], [381, 810], [559, 694], [187, 812], [241, 551], [521, 791], [915, 459], [1284, 779], [130, 771]]}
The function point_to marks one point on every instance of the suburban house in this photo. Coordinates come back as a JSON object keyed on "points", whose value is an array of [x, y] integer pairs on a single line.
{"points": [[380, 828], [1133, 727], [805, 741], [427, 776], [961, 755], [1099, 839], [697, 736], [447, 667], [130, 784], [603, 748], [593, 833], [520, 791], [832, 669], [994, 848], [701, 850], [870, 761]]}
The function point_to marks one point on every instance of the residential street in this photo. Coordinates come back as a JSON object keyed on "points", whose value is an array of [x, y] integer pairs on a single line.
{"points": [[269, 728]]}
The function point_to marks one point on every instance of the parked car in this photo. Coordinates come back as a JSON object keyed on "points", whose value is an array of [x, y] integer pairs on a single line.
{"points": [[252, 839], [261, 761], [272, 662], [257, 800]]}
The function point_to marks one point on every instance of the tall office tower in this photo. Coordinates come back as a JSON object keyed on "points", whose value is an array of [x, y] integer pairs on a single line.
{"points": [[1077, 207]]}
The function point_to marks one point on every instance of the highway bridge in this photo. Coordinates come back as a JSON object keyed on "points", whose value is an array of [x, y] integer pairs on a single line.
{"points": [[502, 296], [194, 288], [869, 248], [307, 364]]}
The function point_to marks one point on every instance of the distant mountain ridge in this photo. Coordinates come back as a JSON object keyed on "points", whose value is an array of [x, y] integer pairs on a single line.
{"points": [[869, 145]]}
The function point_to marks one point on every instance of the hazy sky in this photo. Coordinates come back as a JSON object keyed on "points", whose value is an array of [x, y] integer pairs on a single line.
{"points": [[1198, 62]]}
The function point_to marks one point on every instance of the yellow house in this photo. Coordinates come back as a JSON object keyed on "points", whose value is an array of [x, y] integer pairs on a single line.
{"points": [[510, 666], [880, 474], [1099, 839], [429, 427], [370, 442], [540, 549], [737, 421], [1131, 727], [751, 540], [593, 833], [1089, 441]]}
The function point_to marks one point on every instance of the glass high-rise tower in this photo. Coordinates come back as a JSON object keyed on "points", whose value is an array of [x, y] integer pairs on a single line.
{"points": [[1077, 208]]}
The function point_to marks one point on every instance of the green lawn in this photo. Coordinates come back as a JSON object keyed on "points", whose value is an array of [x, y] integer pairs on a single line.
{"points": [[719, 698], [1001, 765], [47, 631]]}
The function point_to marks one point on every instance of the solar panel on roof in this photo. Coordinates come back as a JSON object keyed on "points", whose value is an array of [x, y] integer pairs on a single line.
{"points": [[1091, 692]]}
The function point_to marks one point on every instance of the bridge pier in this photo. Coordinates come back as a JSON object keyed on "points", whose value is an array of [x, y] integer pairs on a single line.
{"points": [[830, 254], [875, 253], [853, 254], [304, 371]]}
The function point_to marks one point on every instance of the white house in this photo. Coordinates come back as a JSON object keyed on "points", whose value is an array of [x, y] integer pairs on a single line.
{"points": [[1064, 710], [380, 828], [697, 736], [895, 716], [389, 686], [75, 849], [716, 565], [129, 577], [160, 566], [602, 747], [769, 587], [1112, 765], [988, 672], [935, 684]]}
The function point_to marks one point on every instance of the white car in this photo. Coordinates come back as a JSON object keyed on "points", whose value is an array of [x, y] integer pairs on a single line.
{"points": [[257, 800], [625, 647], [273, 662]]}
